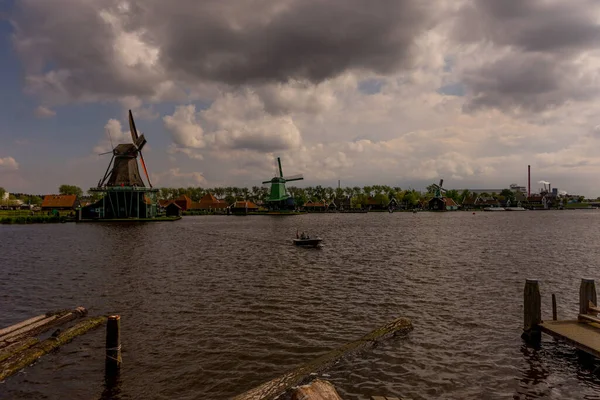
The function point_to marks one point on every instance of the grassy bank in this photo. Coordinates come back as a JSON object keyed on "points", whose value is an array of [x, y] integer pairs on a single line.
{"points": [[33, 219]]}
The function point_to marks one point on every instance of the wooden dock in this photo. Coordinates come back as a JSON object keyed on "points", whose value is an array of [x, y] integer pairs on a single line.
{"points": [[582, 333]]}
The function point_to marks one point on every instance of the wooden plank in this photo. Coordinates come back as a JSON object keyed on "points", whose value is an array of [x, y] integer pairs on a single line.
{"points": [[589, 318], [14, 327], [585, 337], [316, 390], [378, 398], [275, 387]]}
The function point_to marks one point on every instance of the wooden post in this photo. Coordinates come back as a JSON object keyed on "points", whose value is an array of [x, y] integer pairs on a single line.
{"points": [[587, 293], [113, 344], [554, 317], [532, 310]]}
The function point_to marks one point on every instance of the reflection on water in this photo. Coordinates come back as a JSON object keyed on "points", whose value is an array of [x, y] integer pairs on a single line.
{"points": [[212, 306]]}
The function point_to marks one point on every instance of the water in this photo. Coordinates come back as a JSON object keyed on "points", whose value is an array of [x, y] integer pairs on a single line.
{"points": [[213, 306]]}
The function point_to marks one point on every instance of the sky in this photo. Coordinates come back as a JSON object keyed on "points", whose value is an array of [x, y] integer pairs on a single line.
{"points": [[393, 92]]}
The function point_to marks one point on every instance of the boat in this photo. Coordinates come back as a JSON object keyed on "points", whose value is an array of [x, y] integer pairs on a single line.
{"points": [[313, 242], [494, 209], [515, 209]]}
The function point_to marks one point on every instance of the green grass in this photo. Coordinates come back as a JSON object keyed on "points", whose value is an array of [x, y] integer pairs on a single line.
{"points": [[578, 205]]}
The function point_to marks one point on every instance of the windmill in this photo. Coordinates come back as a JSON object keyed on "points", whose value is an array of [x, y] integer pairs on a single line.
{"points": [[279, 197], [439, 190], [125, 194], [125, 171]]}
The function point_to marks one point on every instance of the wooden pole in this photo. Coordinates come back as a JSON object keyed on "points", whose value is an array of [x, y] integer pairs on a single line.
{"points": [[554, 317], [113, 344], [532, 310], [587, 293], [27, 357]]}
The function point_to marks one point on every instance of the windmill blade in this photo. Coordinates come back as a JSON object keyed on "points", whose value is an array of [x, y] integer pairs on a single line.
{"points": [[298, 177], [265, 182], [145, 170], [108, 152], [134, 134], [441, 182], [280, 170]]}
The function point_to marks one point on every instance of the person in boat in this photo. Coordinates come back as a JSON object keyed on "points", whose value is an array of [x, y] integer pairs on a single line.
{"points": [[303, 236]]}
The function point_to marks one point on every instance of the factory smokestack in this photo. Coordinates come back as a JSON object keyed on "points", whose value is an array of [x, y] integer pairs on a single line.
{"points": [[529, 181]]}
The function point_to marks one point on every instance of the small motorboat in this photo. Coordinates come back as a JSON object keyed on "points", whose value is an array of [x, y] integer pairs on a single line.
{"points": [[312, 242], [305, 240]]}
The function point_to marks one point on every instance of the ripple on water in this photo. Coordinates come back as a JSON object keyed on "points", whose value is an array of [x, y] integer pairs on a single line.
{"points": [[212, 306]]}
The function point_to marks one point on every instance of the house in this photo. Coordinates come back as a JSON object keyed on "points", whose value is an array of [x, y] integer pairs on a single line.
{"points": [[162, 203], [60, 202], [317, 206], [341, 204], [470, 202], [184, 202], [442, 204], [393, 204], [488, 202], [210, 202], [173, 210], [537, 201], [374, 204], [243, 207]]}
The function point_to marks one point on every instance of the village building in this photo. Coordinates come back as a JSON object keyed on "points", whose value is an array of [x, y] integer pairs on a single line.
{"points": [[315, 206], [184, 202], [341, 204], [60, 202], [442, 204], [210, 202], [243, 207], [173, 210]]}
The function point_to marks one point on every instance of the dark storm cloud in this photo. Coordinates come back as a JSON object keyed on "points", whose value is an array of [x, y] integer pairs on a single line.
{"points": [[544, 38], [531, 81], [68, 40], [305, 39], [232, 42]]}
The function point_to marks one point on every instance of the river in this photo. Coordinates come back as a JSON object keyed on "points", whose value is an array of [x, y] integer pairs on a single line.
{"points": [[214, 305]]}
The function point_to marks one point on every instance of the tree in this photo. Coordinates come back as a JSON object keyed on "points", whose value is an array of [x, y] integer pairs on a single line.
{"points": [[2, 192], [508, 195], [70, 189]]}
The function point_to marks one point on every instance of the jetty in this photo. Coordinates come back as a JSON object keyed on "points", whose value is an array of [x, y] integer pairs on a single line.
{"points": [[23, 343], [582, 332]]}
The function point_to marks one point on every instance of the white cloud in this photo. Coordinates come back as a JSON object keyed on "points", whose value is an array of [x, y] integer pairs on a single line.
{"points": [[8, 164], [44, 112], [175, 178], [113, 135]]}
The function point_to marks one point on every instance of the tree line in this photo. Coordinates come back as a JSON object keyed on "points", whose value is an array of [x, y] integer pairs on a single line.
{"points": [[382, 194]]}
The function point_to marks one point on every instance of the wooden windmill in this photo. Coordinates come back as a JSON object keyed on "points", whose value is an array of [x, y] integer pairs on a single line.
{"points": [[125, 171], [279, 197], [439, 190], [125, 194]]}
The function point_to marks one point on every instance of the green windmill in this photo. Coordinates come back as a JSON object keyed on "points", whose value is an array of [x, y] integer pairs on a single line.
{"points": [[279, 197]]}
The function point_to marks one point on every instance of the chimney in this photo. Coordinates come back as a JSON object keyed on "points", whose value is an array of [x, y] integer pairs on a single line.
{"points": [[528, 180]]}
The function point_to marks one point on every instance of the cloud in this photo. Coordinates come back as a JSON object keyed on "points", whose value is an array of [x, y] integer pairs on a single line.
{"points": [[8, 164], [527, 56], [232, 122], [113, 135], [88, 51], [44, 112], [175, 178]]}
